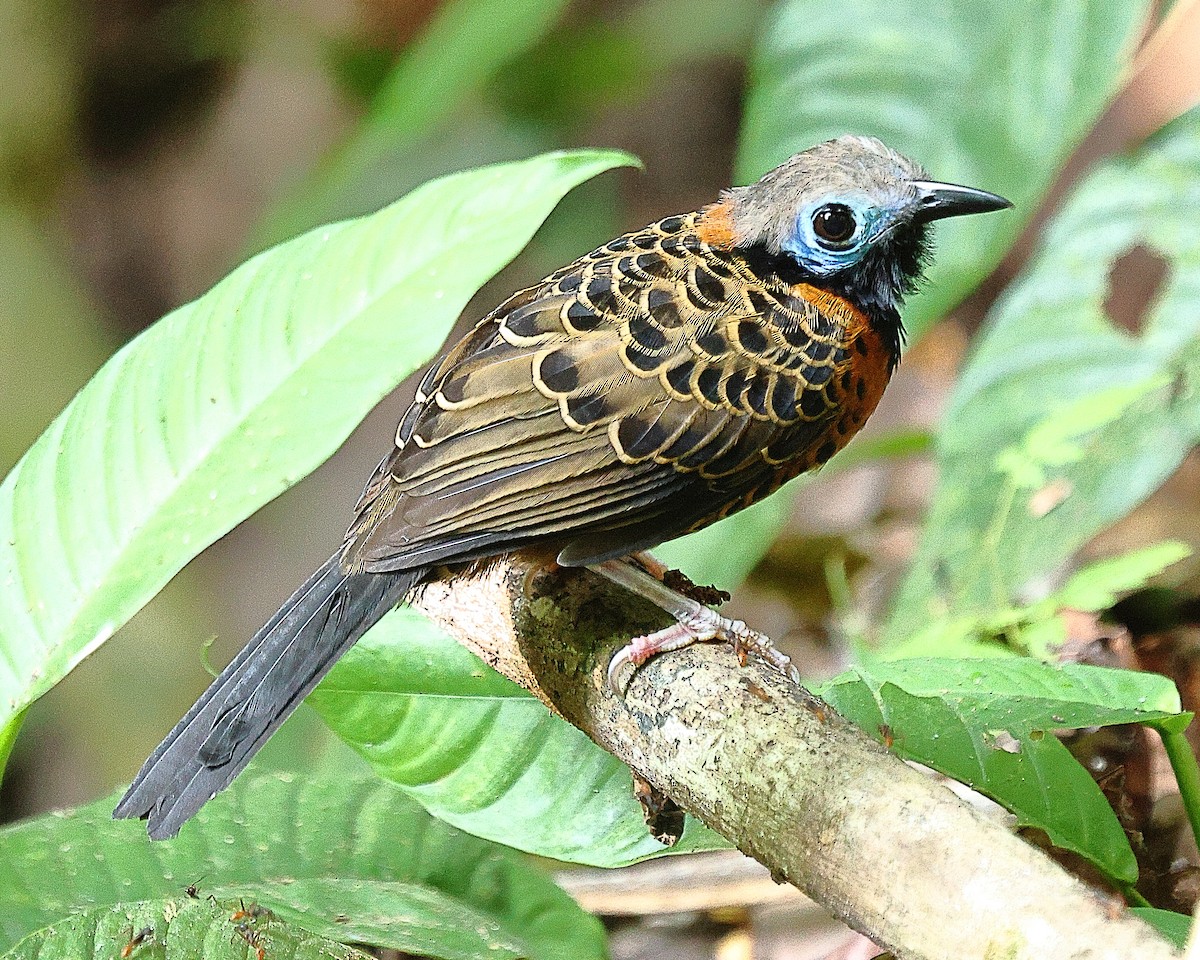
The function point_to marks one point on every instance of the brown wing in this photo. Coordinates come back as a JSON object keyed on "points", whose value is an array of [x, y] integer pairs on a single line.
{"points": [[646, 389]]}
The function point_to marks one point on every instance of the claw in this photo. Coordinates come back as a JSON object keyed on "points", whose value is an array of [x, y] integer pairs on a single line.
{"points": [[621, 669], [695, 624], [703, 626], [746, 641], [637, 651]]}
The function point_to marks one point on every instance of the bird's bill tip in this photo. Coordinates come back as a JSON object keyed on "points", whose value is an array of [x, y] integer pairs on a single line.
{"points": [[935, 201]]}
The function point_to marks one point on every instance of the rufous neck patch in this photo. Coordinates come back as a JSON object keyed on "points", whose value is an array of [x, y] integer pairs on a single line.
{"points": [[715, 225], [841, 309]]}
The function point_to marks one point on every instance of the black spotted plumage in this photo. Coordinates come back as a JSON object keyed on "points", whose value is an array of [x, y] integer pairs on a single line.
{"points": [[669, 378], [681, 381]]}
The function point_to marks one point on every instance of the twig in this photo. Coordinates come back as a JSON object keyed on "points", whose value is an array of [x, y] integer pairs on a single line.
{"points": [[808, 795]]}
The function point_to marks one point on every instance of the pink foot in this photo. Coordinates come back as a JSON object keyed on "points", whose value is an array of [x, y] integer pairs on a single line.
{"points": [[625, 661], [700, 626]]}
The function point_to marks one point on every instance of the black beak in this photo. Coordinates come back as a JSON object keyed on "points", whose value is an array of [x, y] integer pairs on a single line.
{"points": [[936, 201]]}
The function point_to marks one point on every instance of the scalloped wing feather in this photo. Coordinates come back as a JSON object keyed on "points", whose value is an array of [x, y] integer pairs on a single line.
{"points": [[650, 387]]}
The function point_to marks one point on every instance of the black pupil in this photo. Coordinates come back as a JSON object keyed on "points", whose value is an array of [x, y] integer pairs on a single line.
{"points": [[835, 223]]}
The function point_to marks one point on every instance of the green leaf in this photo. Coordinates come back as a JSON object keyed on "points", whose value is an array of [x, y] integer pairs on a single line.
{"points": [[1038, 629], [1099, 585], [1063, 422], [231, 399], [199, 928], [1174, 926], [989, 723], [463, 46], [974, 91], [480, 753], [313, 846]]}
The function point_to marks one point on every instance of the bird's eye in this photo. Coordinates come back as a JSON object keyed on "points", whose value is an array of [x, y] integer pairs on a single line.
{"points": [[835, 225]]}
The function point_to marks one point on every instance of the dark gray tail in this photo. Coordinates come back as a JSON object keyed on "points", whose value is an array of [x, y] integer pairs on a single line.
{"points": [[258, 691]]}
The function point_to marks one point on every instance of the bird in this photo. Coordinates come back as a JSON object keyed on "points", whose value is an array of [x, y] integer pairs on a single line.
{"points": [[663, 381]]}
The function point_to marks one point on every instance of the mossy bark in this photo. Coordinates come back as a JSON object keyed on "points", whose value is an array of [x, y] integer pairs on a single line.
{"points": [[817, 801]]}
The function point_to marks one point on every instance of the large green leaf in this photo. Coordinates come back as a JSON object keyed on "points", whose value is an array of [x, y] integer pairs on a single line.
{"points": [[989, 93], [990, 723], [183, 927], [311, 846], [231, 399], [1063, 422], [481, 753]]}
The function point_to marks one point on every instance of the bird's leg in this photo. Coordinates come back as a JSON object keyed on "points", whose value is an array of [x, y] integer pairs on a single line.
{"points": [[677, 580], [651, 564], [695, 623]]}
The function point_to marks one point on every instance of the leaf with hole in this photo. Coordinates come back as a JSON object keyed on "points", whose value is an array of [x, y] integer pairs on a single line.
{"points": [[999, 106], [1055, 387]]}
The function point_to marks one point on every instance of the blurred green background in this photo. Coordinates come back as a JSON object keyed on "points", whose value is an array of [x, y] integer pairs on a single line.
{"points": [[147, 147]]}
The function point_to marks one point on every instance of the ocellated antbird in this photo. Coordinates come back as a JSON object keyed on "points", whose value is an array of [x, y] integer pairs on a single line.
{"points": [[670, 378]]}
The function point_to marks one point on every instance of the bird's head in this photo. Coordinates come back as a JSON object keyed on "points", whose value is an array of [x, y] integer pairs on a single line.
{"points": [[850, 215]]}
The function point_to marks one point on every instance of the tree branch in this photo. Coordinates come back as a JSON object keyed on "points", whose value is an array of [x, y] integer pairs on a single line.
{"points": [[814, 799]]}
